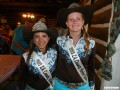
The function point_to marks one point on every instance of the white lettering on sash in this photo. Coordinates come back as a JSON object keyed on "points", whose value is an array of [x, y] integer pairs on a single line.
{"points": [[43, 69], [76, 61]]}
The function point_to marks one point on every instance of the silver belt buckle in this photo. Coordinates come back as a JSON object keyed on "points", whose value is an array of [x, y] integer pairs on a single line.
{"points": [[71, 85]]}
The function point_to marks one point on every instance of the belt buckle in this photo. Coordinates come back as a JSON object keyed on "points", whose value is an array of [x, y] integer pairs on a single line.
{"points": [[72, 85]]}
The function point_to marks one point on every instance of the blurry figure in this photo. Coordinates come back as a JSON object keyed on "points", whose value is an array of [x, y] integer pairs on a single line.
{"points": [[10, 33], [6, 34], [43, 20], [18, 24], [61, 31], [6, 30], [4, 26], [27, 31], [4, 47], [20, 40]]}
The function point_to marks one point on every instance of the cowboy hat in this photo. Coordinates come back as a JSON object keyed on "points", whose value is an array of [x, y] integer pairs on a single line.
{"points": [[62, 14], [51, 31]]}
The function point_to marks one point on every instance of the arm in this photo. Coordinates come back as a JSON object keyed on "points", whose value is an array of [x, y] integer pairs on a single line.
{"points": [[22, 75], [91, 68], [19, 45]]}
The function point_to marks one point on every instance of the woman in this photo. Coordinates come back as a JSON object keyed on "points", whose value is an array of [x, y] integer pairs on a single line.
{"points": [[38, 65], [76, 50]]}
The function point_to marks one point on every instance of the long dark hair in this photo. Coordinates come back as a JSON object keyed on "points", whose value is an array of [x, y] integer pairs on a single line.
{"points": [[32, 46]]}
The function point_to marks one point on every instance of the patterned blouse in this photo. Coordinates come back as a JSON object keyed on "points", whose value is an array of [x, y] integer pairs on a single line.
{"points": [[30, 74], [65, 70]]}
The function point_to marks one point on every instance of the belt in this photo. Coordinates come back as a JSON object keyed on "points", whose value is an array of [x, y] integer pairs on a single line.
{"points": [[70, 85]]}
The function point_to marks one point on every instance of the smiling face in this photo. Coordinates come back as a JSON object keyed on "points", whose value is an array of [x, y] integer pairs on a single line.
{"points": [[75, 22], [41, 40]]}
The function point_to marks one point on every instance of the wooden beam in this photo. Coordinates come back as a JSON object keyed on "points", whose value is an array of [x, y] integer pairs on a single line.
{"points": [[100, 33], [101, 3], [102, 18], [100, 50], [29, 4]]}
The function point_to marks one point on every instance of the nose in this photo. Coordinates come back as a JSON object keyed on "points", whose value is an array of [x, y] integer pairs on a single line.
{"points": [[40, 39], [74, 20]]}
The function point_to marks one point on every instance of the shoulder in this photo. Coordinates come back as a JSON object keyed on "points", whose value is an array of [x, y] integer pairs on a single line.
{"points": [[52, 50], [92, 43], [61, 39], [25, 55], [19, 27]]}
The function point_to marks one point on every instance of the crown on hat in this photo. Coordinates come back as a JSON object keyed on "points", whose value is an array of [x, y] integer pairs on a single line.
{"points": [[39, 26], [74, 5]]}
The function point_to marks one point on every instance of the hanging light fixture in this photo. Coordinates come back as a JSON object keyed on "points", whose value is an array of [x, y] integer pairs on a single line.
{"points": [[28, 16]]}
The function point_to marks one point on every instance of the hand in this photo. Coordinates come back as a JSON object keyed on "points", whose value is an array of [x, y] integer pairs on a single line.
{"points": [[92, 85]]}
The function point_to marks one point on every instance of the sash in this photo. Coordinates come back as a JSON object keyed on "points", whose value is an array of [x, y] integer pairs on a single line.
{"points": [[43, 69], [76, 60]]}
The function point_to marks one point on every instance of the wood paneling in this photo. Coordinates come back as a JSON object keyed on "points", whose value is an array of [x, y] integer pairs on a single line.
{"points": [[98, 80], [51, 22], [97, 64], [102, 18], [100, 50], [97, 32], [13, 11], [101, 3]]}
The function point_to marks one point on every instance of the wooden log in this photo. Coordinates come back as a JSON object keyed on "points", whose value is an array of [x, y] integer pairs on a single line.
{"points": [[100, 33], [101, 50], [97, 64], [102, 18], [101, 3], [97, 80]]}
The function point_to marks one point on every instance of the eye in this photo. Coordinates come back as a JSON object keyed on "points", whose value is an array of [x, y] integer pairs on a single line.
{"points": [[36, 36], [78, 18], [70, 19], [44, 36]]}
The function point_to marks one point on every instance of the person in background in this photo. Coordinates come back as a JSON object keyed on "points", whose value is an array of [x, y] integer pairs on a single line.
{"points": [[19, 44], [5, 28], [4, 47], [38, 65], [5, 37], [43, 20], [61, 31], [76, 50]]}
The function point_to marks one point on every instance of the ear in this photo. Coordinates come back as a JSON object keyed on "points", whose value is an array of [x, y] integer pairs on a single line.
{"points": [[66, 23], [33, 41], [49, 38], [83, 22]]}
